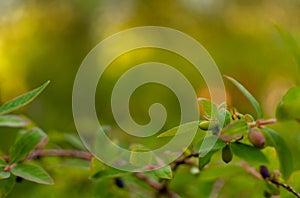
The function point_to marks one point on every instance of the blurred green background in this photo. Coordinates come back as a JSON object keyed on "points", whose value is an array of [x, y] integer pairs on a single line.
{"points": [[48, 40]]}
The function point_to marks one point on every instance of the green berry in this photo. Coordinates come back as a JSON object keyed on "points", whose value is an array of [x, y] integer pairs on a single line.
{"points": [[227, 154]]}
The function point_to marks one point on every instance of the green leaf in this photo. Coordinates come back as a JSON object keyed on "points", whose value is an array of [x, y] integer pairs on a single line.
{"points": [[100, 171], [4, 174], [184, 128], [13, 121], [25, 144], [283, 151], [32, 173], [140, 157], [207, 147], [238, 127], [248, 95], [290, 43], [22, 100], [225, 117], [289, 106], [205, 159], [6, 185], [207, 108], [248, 153], [164, 172]]}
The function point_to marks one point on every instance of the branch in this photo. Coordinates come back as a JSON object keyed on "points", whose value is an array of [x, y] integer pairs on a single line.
{"points": [[88, 156], [285, 186], [184, 160], [258, 175], [60, 153], [156, 185], [260, 123]]}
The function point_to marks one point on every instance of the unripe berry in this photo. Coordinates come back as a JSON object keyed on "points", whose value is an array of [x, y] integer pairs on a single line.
{"points": [[226, 154], [257, 138], [207, 125]]}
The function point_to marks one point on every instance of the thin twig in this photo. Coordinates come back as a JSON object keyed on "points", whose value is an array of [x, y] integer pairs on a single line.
{"points": [[60, 153], [286, 186], [88, 156], [184, 160], [260, 123], [156, 185], [256, 174]]}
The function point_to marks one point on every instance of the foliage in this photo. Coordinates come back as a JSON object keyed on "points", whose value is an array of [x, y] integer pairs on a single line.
{"points": [[238, 138]]}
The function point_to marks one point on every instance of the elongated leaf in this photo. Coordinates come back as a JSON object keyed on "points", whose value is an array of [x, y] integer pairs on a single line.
{"points": [[207, 149], [100, 171], [25, 144], [4, 175], [205, 159], [13, 121], [248, 95], [164, 172], [248, 153], [289, 106], [224, 117], [239, 127], [283, 151], [140, 158], [184, 128], [108, 173], [6, 185], [22, 100], [207, 108], [32, 173], [291, 43]]}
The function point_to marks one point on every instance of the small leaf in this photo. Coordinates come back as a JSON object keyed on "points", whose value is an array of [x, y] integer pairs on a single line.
{"points": [[140, 158], [164, 172], [184, 128], [289, 106], [13, 121], [25, 144], [238, 127], [100, 171], [205, 159], [248, 95], [4, 174], [224, 116], [22, 100], [32, 173], [207, 147], [283, 151], [207, 108], [208, 144], [6, 185], [248, 153]]}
